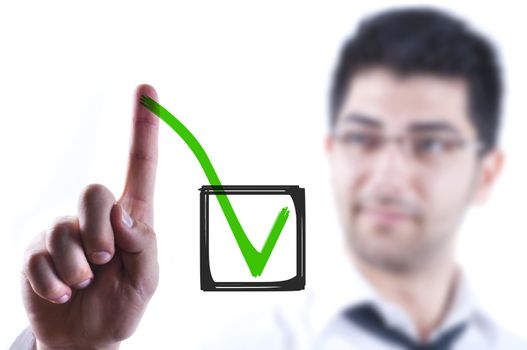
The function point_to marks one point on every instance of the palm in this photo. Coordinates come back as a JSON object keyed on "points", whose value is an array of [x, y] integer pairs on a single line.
{"points": [[105, 312]]}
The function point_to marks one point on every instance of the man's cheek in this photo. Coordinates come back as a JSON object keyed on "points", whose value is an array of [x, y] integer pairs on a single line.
{"points": [[343, 176], [345, 188], [447, 200]]}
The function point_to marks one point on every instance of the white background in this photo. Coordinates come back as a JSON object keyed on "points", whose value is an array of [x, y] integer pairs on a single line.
{"points": [[251, 82]]}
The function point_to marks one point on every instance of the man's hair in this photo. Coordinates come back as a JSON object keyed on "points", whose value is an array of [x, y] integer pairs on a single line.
{"points": [[425, 40]]}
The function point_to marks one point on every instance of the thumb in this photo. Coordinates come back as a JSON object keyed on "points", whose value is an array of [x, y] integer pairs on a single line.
{"points": [[136, 242]]}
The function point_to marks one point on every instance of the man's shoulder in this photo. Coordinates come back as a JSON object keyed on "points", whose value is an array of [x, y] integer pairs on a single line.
{"points": [[509, 341], [496, 334]]}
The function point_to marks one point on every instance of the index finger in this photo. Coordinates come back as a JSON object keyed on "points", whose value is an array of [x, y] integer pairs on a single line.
{"points": [[138, 195]]}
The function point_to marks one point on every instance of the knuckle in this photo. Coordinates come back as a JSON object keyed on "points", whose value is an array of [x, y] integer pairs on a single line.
{"points": [[60, 231], [95, 227], [145, 229], [32, 261], [121, 333], [63, 224], [95, 193], [143, 156], [151, 238], [149, 232]]}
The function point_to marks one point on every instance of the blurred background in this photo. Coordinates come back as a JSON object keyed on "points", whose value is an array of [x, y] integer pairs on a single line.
{"points": [[251, 82]]}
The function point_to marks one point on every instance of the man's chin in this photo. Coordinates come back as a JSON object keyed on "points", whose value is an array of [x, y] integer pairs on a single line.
{"points": [[386, 260], [385, 247]]}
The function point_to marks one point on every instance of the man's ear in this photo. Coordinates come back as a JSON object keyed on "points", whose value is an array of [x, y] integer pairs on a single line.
{"points": [[328, 144], [489, 171]]}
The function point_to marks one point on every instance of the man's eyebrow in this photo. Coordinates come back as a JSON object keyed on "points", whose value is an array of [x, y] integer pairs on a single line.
{"points": [[432, 126], [415, 127], [363, 120]]}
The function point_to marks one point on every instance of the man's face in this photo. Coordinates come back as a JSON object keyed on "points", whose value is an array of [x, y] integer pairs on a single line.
{"points": [[404, 164]]}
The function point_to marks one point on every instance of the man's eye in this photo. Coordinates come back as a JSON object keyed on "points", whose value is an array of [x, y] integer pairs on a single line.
{"points": [[433, 146], [361, 139]]}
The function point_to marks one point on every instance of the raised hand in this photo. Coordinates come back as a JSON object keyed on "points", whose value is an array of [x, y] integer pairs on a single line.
{"points": [[88, 279]]}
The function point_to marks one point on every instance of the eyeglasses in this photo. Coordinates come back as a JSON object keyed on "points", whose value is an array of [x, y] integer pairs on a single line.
{"points": [[428, 148]]}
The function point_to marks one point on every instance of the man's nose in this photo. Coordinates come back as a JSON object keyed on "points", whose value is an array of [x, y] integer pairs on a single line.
{"points": [[391, 169]]}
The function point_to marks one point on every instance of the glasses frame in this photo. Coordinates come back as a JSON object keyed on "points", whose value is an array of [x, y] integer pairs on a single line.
{"points": [[404, 142]]}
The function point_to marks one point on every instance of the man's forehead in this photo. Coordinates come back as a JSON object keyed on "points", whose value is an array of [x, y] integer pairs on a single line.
{"points": [[397, 102]]}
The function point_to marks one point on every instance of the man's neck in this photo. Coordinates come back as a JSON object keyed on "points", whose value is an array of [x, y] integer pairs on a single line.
{"points": [[425, 294]]}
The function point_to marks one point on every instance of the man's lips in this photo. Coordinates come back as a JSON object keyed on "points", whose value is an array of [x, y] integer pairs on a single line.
{"points": [[386, 215]]}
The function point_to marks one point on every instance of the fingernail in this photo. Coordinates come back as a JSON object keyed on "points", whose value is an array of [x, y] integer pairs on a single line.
{"points": [[101, 257], [62, 299], [82, 284], [126, 219]]}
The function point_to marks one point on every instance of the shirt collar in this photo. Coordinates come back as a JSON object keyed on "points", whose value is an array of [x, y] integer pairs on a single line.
{"points": [[336, 292]]}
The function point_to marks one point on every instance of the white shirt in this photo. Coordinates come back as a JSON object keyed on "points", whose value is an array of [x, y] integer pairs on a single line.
{"points": [[318, 323]]}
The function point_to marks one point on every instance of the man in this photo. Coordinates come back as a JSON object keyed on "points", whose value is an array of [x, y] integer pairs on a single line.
{"points": [[413, 142]]}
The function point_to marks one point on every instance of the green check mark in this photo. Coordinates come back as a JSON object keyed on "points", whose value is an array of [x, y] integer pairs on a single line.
{"points": [[255, 260]]}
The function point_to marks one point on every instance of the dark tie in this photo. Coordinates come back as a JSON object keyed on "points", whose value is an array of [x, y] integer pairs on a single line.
{"points": [[367, 317]]}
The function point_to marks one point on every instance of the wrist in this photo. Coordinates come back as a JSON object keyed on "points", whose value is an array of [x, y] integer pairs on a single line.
{"points": [[40, 346]]}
